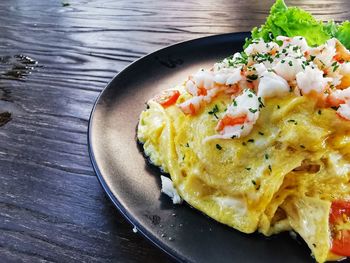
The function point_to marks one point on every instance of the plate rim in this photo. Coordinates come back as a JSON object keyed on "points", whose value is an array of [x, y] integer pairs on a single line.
{"points": [[167, 250]]}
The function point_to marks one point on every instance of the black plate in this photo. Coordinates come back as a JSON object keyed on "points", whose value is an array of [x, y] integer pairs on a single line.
{"points": [[134, 187]]}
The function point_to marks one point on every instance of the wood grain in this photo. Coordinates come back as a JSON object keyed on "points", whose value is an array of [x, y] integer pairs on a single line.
{"points": [[54, 60]]}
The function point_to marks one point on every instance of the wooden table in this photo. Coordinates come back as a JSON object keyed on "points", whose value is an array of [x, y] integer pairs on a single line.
{"points": [[55, 58]]}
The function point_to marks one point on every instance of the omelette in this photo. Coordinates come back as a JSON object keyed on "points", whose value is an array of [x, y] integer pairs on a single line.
{"points": [[261, 141]]}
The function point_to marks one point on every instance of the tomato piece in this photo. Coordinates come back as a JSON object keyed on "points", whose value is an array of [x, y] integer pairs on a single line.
{"points": [[167, 98], [230, 121], [339, 219]]}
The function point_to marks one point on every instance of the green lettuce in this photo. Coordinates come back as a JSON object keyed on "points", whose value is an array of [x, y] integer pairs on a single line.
{"points": [[293, 21]]}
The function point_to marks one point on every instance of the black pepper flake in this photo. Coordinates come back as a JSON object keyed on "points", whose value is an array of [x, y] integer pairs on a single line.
{"points": [[302, 146], [218, 146], [313, 244], [187, 145], [261, 133], [270, 168], [250, 140], [278, 107], [244, 144], [266, 156], [233, 136], [291, 120], [253, 182], [312, 57], [248, 168], [319, 112], [242, 127], [335, 108]]}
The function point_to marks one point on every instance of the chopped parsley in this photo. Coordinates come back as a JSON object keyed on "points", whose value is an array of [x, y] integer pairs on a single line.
{"points": [[218, 146], [270, 168], [253, 110], [312, 57], [252, 77], [290, 63], [250, 95], [234, 103], [214, 111], [335, 67], [261, 103], [335, 108]]}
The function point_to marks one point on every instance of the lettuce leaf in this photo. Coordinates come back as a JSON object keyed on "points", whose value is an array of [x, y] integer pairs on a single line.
{"points": [[293, 21], [343, 34]]}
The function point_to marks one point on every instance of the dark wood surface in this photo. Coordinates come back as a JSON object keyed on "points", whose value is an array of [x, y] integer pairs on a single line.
{"points": [[55, 58]]}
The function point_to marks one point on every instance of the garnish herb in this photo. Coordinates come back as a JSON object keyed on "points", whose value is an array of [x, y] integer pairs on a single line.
{"points": [[214, 111], [335, 67], [261, 103], [253, 110], [252, 77]]}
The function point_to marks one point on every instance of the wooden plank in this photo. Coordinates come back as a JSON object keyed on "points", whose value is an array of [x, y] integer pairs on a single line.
{"points": [[54, 61]]}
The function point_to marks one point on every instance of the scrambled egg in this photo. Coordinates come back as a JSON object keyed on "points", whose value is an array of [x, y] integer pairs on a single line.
{"points": [[281, 174]]}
